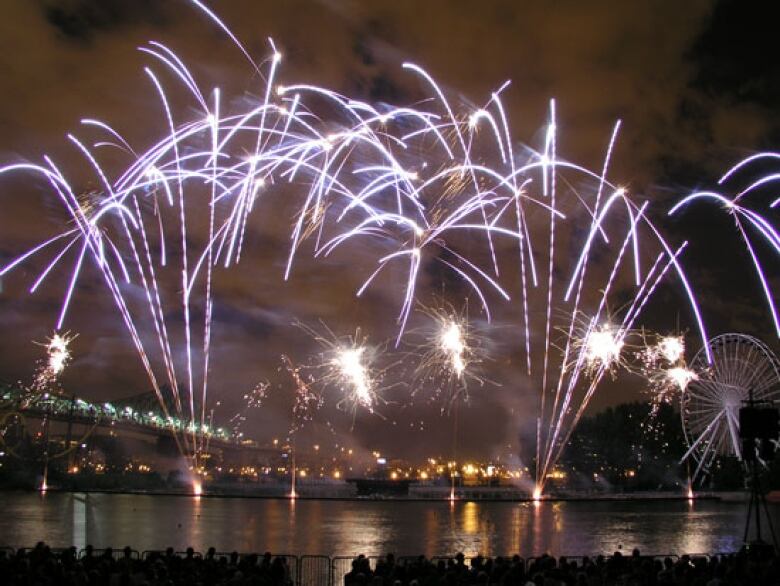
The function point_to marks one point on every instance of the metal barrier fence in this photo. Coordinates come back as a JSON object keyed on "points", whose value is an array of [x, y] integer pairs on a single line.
{"points": [[116, 554], [340, 566], [314, 570], [529, 561], [163, 552], [58, 551], [291, 562], [293, 566]]}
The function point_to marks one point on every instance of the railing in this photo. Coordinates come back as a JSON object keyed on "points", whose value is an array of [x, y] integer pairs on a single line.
{"points": [[147, 553], [340, 566], [58, 551], [292, 564], [70, 408], [116, 554], [531, 560], [315, 570]]}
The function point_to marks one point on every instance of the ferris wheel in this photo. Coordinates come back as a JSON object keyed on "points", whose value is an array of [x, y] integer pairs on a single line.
{"points": [[711, 402]]}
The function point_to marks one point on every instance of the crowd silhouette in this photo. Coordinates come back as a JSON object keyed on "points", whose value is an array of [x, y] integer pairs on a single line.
{"points": [[758, 568], [45, 566]]}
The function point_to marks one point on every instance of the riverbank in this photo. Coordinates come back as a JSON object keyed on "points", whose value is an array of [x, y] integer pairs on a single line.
{"points": [[433, 494]]}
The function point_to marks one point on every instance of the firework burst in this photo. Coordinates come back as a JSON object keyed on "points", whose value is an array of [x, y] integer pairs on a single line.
{"points": [[350, 365], [662, 363], [57, 358], [252, 400], [449, 355], [306, 401], [603, 348]]}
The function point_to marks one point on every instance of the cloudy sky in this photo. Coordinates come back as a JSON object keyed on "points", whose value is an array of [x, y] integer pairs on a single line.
{"points": [[694, 84]]}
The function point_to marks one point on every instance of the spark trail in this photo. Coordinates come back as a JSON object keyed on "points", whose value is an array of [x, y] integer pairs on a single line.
{"points": [[753, 226]]}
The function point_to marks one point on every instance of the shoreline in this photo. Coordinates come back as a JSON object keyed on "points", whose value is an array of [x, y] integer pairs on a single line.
{"points": [[472, 497]]}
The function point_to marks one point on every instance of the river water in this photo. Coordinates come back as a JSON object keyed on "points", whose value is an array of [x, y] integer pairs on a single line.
{"points": [[349, 527]]}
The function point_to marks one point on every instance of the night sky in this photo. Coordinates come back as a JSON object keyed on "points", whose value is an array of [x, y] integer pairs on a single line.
{"points": [[696, 85]]}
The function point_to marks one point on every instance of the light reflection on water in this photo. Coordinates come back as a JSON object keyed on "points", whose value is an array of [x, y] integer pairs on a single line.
{"points": [[371, 527]]}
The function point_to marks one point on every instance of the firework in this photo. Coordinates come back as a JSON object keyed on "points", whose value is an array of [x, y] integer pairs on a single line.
{"points": [[349, 364], [667, 384], [603, 348], [306, 402], [251, 401], [750, 224], [680, 377], [59, 355], [448, 354], [354, 374], [672, 348], [453, 346], [661, 362], [593, 341], [418, 182], [57, 358]]}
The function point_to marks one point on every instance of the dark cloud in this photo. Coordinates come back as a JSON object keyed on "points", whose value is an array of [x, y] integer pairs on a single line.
{"points": [[735, 54], [81, 20], [728, 108]]}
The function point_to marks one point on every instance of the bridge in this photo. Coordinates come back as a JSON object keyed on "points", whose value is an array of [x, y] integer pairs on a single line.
{"points": [[138, 413]]}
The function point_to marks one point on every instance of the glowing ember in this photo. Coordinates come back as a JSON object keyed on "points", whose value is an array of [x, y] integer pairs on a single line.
{"points": [[197, 487], [58, 353], [450, 354], [453, 345], [680, 376], [350, 364], [57, 358], [672, 348], [663, 365], [602, 347]]}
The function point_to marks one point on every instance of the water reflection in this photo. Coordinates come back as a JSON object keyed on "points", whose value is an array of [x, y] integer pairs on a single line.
{"points": [[371, 527], [536, 542], [431, 530], [79, 530], [470, 518], [471, 534]]}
